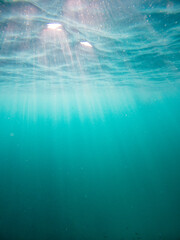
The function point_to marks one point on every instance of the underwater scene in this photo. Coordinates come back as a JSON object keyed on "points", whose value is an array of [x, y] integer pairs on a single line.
{"points": [[90, 120]]}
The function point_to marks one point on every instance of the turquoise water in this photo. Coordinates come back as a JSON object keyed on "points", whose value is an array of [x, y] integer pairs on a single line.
{"points": [[89, 120]]}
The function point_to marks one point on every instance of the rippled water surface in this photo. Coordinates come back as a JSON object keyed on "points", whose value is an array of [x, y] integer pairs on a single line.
{"points": [[89, 120], [130, 42]]}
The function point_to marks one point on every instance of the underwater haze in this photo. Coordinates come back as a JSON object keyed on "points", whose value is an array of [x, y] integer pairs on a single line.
{"points": [[90, 120]]}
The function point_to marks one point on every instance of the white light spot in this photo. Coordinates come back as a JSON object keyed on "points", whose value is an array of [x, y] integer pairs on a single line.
{"points": [[86, 44], [54, 26]]}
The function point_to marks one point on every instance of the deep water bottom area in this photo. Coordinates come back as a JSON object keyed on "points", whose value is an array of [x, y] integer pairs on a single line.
{"points": [[89, 166]]}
